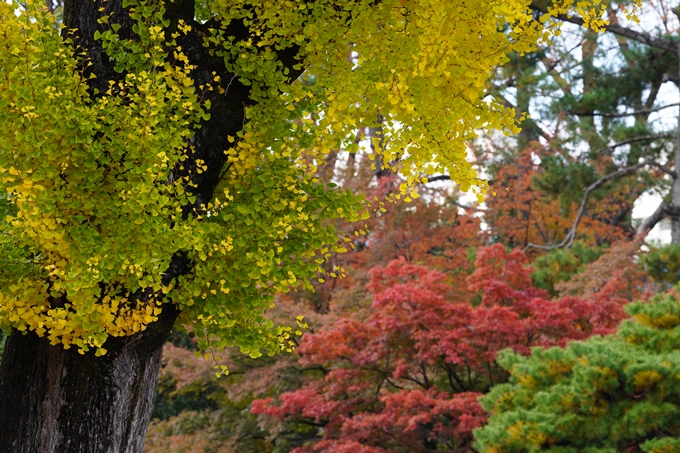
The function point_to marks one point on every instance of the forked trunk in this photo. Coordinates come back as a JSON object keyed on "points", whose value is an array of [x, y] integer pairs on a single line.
{"points": [[54, 400]]}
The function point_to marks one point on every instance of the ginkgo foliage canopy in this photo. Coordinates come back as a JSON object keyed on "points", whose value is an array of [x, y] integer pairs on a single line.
{"points": [[98, 181]]}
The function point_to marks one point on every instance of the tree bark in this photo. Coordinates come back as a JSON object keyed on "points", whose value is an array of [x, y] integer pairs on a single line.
{"points": [[675, 188], [54, 400]]}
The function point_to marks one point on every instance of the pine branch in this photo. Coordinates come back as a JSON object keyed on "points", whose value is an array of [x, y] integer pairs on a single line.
{"points": [[643, 138], [621, 115]]}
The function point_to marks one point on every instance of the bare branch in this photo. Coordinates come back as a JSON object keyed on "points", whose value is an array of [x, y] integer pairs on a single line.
{"points": [[644, 138], [659, 43], [663, 168], [571, 235], [621, 115]]}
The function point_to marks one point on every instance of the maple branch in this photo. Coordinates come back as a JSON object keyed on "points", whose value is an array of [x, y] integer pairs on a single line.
{"points": [[568, 241], [652, 41], [621, 115], [451, 376]]}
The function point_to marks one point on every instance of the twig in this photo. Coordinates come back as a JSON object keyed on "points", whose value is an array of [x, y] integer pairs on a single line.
{"points": [[643, 138], [659, 43], [438, 178], [528, 121], [473, 208]]}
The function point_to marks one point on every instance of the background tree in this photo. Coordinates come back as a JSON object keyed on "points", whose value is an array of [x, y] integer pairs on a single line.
{"points": [[595, 101], [414, 233], [431, 229]]}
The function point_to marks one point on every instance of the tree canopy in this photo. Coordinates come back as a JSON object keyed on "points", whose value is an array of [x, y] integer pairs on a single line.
{"points": [[110, 209]]}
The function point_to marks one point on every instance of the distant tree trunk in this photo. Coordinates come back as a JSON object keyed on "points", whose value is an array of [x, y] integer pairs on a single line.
{"points": [[54, 400], [675, 188], [672, 207]]}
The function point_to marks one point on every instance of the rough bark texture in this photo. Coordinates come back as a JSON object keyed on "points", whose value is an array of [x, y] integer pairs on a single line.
{"points": [[54, 400]]}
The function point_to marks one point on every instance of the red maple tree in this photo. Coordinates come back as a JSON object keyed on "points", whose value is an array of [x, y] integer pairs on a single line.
{"points": [[407, 377]]}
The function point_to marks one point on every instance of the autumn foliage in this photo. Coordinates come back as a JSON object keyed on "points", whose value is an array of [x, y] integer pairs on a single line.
{"points": [[407, 377], [523, 211], [443, 331]]}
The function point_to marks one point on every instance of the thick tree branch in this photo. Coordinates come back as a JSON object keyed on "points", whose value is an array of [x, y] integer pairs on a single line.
{"points": [[651, 221], [227, 111], [670, 78], [659, 43], [438, 178], [571, 235], [622, 115]]}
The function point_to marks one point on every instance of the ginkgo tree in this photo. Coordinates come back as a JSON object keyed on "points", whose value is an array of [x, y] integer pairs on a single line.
{"points": [[158, 169]]}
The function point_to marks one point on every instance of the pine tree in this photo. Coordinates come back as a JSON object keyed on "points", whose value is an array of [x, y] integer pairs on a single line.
{"points": [[615, 393]]}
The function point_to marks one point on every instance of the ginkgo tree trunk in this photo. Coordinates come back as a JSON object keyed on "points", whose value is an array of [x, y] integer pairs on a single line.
{"points": [[157, 170]]}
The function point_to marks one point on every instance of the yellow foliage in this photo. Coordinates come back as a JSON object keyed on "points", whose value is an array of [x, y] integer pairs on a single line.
{"points": [[98, 191], [665, 321], [645, 379], [527, 380]]}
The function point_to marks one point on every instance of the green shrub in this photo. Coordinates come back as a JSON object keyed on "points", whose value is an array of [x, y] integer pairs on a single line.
{"points": [[663, 264], [604, 394]]}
